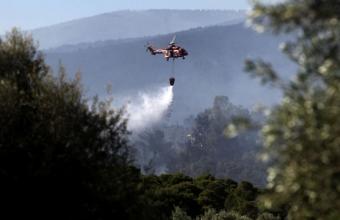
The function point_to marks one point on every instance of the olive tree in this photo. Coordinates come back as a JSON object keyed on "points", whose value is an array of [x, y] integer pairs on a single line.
{"points": [[302, 134]]}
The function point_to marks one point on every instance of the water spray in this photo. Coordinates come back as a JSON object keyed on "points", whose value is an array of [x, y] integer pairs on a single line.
{"points": [[149, 108]]}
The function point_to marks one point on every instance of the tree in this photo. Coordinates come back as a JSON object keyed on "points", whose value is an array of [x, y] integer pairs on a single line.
{"points": [[154, 151], [243, 200], [58, 158], [267, 216], [301, 136], [179, 214], [213, 195], [208, 150], [211, 214]]}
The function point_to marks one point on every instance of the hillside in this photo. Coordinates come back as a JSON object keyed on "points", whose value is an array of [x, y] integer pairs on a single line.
{"points": [[131, 24], [214, 67]]}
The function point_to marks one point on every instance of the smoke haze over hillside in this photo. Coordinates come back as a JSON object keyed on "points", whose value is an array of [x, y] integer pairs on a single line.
{"points": [[215, 66]]}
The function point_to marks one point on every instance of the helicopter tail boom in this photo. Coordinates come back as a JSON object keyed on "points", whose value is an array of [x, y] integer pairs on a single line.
{"points": [[151, 50]]}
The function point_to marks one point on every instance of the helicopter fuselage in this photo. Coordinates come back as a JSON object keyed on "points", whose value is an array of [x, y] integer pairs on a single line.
{"points": [[173, 52]]}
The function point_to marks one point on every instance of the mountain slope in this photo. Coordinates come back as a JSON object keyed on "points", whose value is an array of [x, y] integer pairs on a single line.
{"points": [[214, 66], [131, 24]]}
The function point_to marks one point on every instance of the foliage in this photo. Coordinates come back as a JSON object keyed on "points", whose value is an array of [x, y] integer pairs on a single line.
{"points": [[58, 158], [301, 136], [196, 197], [211, 214], [267, 216], [213, 195], [179, 214], [243, 200], [154, 151], [199, 145], [207, 150]]}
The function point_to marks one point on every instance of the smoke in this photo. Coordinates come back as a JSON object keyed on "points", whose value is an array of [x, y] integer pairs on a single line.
{"points": [[149, 108]]}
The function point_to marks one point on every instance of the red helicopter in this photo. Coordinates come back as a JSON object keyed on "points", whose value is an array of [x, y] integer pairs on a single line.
{"points": [[172, 51]]}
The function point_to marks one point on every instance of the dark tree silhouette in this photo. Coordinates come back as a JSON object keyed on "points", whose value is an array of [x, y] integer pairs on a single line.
{"points": [[58, 158]]}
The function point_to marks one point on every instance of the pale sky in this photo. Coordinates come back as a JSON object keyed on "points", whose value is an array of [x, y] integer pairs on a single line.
{"points": [[29, 14]]}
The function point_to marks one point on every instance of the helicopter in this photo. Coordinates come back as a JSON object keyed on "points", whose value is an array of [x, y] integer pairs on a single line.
{"points": [[172, 51]]}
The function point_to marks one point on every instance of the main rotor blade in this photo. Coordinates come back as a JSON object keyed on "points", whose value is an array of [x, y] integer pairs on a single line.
{"points": [[173, 40]]}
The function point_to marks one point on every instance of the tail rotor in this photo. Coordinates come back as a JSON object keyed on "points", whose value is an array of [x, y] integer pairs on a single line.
{"points": [[147, 46]]}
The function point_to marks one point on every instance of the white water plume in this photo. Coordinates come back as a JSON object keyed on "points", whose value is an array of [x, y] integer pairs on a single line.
{"points": [[149, 108]]}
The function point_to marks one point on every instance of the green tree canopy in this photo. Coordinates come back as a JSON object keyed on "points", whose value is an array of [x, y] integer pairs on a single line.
{"points": [[59, 158], [301, 136]]}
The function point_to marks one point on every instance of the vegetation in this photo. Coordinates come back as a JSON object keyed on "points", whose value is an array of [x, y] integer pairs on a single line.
{"points": [[57, 156], [200, 146], [208, 150], [301, 136], [184, 197], [62, 158]]}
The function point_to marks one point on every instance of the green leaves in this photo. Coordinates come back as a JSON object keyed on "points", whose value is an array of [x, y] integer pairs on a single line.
{"points": [[301, 133], [262, 70], [179, 214], [72, 160], [238, 125]]}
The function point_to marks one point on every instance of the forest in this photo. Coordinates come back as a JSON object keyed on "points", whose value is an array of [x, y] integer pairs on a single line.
{"points": [[67, 156], [199, 145]]}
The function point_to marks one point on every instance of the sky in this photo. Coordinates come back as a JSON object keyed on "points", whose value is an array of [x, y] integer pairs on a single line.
{"points": [[30, 14]]}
